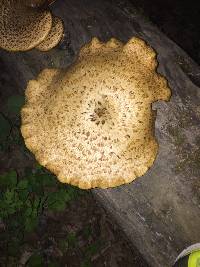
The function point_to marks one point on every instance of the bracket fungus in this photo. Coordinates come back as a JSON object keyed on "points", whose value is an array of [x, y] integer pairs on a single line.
{"points": [[24, 26], [54, 36], [92, 124]]}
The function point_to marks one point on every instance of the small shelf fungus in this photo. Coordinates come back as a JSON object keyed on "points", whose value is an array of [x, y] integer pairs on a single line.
{"points": [[54, 36], [92, 124], [24, 26]]}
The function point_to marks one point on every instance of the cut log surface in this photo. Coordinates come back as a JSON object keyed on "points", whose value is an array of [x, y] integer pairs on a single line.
{"points": [[160, 211]]}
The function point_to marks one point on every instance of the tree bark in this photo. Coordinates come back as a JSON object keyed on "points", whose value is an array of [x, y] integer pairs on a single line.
{"points": [[159, 212]]}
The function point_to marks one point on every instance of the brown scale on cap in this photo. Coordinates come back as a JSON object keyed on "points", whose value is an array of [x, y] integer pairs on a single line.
{"points": [[22, 27], [92, 124], [54, 36]]}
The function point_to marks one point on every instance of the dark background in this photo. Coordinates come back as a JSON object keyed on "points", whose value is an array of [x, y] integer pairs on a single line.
{"points": [[179, 20]]}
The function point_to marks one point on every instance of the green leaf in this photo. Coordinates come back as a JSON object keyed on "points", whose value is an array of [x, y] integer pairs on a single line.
{"points": [[12, 178], [71, 240], [10, 202], [53, 264], [36, 202], [73, 192], [65, 195], [56, 202], [92, 249], [31, 223], [23, 195], [23, 184], [35, 185], [9, 195], [27, 212], [7, 205], [31, 215], [4, 128], [57, 206], [46, 179], [38, 166], [36, 261], [14, 104], [8, 179], [87, 232]]}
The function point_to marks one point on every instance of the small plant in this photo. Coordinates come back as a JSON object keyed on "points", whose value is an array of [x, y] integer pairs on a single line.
{"points": [[24, 199]]}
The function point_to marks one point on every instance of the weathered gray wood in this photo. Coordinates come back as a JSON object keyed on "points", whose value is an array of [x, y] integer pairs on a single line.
{"points": [[159, 212]]}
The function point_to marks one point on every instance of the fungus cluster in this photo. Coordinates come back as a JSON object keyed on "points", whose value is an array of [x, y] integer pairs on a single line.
{"points": [[92, 124], [24, 26]]}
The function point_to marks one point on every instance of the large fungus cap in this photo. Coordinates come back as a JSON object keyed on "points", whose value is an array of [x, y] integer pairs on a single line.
{"points": [[22, 27], [92, 124], [54, 36]]}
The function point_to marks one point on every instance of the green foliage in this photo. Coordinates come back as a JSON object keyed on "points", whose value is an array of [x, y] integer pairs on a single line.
{"points": [[31, 194], [10, 203], [92, 249], [57, 200], [71, 240], [23, 200], [87, 232], [8, 180], [36, 261], [89, 252]]}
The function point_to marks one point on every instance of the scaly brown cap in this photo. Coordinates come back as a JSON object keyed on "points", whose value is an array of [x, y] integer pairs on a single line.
{"points": [[54, 36], [22, 27], [92, 124]]}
